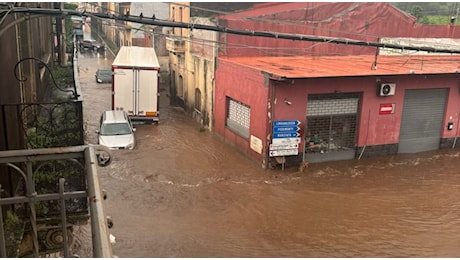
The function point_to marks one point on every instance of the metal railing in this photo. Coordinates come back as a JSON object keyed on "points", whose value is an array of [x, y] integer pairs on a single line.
{"points": [[28, 163]]}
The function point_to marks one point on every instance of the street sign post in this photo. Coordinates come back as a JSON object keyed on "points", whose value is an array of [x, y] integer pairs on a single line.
{"points": [[285, 138]]}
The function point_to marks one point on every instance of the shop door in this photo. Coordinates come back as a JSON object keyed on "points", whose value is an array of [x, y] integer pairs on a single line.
{"points": [[331, 127], [422, 118]]}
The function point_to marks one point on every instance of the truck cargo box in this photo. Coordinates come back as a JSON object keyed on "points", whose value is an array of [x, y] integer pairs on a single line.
{"points": [[135, 83]]}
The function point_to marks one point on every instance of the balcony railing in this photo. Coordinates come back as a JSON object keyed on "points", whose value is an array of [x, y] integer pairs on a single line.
{"points": [[51, 185], [175, 44], [23, 233]]}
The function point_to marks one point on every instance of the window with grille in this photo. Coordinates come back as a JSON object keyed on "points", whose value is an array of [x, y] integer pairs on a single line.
{"points": [[238, 117]]}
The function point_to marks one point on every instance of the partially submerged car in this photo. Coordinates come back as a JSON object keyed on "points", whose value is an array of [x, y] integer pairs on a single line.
{"points": [[103, 75], [116, 130], [92, 45]]}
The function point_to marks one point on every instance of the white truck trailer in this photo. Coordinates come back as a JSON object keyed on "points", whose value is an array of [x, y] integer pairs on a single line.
{"points": [[135, 83]]}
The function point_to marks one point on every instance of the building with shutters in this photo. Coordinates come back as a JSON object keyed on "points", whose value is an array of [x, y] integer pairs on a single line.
{"points": [[358, 106]]}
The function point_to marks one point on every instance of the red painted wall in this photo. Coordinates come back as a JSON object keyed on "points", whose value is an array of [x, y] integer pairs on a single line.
{"points": [[374, 129], [246, 86]]}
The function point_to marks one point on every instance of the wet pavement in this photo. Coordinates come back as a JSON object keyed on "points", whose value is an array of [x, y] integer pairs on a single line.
{"points": [[184, 193]]}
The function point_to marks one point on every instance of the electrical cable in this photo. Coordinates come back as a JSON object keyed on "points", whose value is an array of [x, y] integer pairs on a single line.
{"points": [[310, 38], [271, 20]]}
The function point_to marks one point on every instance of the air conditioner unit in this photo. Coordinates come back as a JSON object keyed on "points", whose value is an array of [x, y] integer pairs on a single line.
{"points": [[386, 89]]}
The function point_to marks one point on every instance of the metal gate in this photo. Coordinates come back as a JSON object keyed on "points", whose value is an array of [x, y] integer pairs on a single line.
{"points": [[331, 127], [422, 118]]}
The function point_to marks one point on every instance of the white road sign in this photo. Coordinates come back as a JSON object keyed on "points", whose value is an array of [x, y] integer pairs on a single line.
{"points": [[292, 140], [283, 146], [284, 152]]}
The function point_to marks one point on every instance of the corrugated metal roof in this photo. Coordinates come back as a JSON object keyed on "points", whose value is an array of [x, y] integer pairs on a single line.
{"points": [[319, 11], [344, 66]]}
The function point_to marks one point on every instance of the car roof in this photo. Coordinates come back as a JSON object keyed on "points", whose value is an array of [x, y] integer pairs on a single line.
{"points": [[114, 116]]}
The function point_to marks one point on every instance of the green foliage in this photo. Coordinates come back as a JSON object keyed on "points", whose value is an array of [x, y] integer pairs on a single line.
{"points": [[70, 6], [417, 11], [69, 27], [439, 20], [434, 13], [56, 130], [62, 75], [68, 34], [11, 220], [430, 8]]}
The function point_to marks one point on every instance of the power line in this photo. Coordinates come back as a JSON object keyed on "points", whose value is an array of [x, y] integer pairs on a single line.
{"points": [[276, 35], [306, 26]]}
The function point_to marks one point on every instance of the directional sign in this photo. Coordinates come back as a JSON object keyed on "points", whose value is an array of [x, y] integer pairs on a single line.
{"points": [[286, 129], [283, 146], [286, 135], [286, 123], [294, 140], [285, 139], [279, 129], [284, 152]]}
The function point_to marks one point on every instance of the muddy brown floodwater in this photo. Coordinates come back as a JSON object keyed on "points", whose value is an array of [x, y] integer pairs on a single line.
{"points": [[184, 193]]}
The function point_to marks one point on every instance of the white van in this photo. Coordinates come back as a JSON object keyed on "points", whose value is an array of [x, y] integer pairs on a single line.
{"points": [[116, 130]]}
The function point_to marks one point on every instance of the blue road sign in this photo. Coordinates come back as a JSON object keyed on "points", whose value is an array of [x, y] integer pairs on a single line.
{"points": [[281, 129], [286, 129], [286, 135], [286, 123]]}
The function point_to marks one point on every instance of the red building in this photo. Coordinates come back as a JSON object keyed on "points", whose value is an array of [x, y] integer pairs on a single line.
{"points": [[359, 106], [364, 21]]}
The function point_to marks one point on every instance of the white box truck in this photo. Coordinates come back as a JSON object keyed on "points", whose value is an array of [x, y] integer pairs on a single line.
{"points": [[135, 83]]}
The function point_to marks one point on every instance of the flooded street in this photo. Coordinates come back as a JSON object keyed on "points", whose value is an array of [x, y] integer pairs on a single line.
{"points": [[184, 193]]}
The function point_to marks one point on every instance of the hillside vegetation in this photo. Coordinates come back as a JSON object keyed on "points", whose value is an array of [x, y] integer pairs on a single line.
{"points": [[431, 13]]}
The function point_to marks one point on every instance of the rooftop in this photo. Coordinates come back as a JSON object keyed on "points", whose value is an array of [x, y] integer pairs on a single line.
{"points": [[140, 57], [345, 66]]}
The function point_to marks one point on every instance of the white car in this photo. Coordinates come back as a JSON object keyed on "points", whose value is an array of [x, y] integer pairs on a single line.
{"points": [[116, 130]]}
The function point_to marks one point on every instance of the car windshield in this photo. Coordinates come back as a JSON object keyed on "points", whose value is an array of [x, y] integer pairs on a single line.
{"points": [[116, 129]]}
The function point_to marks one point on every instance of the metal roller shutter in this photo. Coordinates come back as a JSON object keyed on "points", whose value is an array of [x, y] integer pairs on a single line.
{"points": [[422, 118]]}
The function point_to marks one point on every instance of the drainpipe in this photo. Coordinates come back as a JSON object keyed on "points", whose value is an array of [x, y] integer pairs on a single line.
{"points": [[453, 22], [456, 131], [270, 115]]}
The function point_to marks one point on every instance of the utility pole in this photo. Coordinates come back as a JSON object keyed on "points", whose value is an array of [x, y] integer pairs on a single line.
{"points": [[62, 50], [453, 22], [60, 36]]}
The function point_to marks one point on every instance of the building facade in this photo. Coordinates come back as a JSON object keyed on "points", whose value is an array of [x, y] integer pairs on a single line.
{"points": [[273, 108], [195, 54]]}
